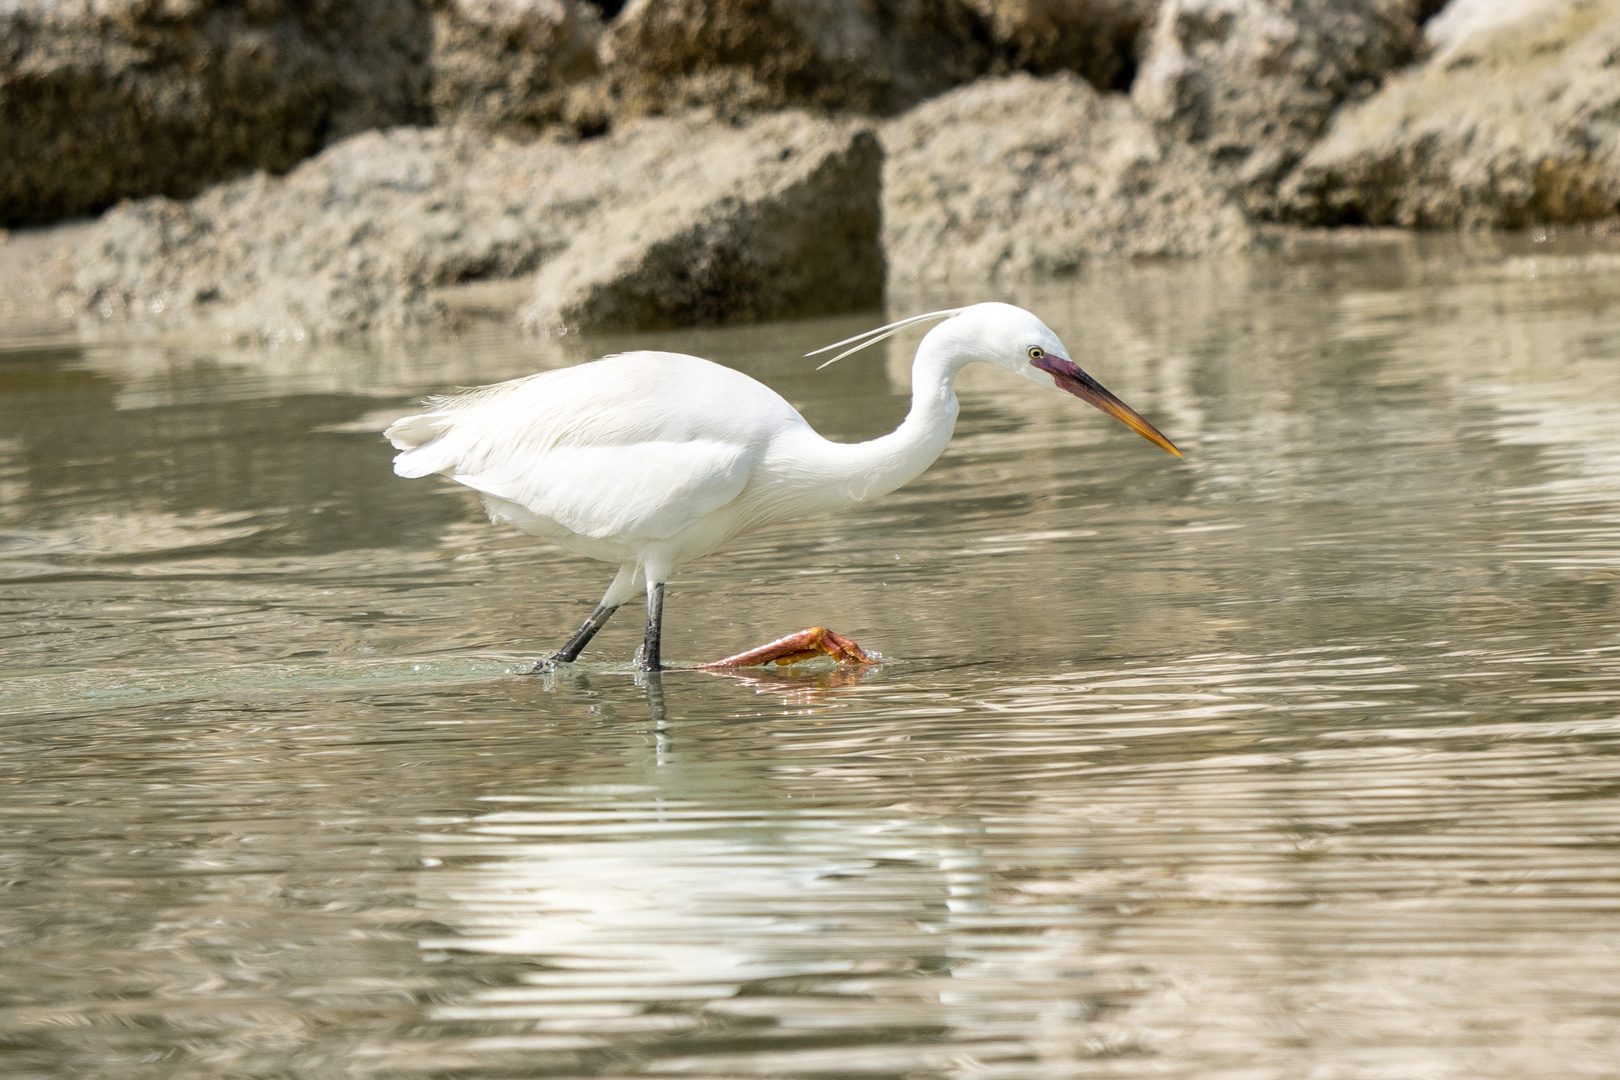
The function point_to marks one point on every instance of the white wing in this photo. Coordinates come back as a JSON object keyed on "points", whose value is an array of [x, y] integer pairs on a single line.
{"points": [[644, 491], [630, 448]]}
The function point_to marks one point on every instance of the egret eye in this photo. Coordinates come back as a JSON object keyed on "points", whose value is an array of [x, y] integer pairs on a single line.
{"points": [[1036, 352]]}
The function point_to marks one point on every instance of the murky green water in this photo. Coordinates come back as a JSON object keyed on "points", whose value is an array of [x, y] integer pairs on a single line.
{"points": [[1297, 759]]}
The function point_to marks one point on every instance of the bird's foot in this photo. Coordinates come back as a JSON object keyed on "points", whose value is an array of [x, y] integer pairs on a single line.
{"points": [[812, 642], [551, 663]]}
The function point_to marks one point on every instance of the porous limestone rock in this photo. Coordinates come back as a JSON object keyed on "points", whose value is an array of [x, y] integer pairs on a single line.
{"points": [[870, 56], [1025, 176], [1096, 39], [777, 219], [106, 99], [1513, 120], [1253, 83], [505, 64], [876, 57], [359, 237]]}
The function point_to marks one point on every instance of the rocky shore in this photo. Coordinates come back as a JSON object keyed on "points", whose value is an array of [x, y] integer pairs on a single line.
{"points": [[286, 168]]}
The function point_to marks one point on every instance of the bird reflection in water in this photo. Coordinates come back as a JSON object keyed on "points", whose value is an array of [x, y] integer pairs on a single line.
{"points": [[800, 690]]}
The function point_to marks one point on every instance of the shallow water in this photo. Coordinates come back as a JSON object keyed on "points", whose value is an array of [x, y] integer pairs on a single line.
{"points": [[1299, 758]]}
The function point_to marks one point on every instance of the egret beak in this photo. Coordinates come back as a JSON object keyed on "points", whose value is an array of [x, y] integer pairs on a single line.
{"points": [[1069, 377]]}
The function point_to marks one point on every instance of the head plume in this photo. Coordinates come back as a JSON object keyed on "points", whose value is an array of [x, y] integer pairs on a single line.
{"points": [[877, 334]]}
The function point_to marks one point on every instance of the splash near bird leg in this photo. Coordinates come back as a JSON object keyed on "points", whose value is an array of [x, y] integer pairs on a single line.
{"points": [[808, 643]]}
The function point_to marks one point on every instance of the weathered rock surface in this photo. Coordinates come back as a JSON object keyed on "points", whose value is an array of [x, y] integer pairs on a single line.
{"points": [[103, 99], [876, 57], [358, 237], [505, 65], [775, 221], [870, 56], [1026, 176], [108, 99], [1513, 120], [1096, 39], [1254, 83]]}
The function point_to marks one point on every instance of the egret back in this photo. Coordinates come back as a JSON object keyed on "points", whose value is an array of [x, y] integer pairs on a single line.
{"points": [[632, 448]]}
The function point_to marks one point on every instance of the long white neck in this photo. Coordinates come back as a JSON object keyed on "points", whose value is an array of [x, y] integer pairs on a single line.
{"points": [[850, 472]]}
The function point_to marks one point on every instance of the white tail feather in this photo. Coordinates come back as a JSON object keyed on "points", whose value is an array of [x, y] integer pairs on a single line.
{"points": [[415, 436]]}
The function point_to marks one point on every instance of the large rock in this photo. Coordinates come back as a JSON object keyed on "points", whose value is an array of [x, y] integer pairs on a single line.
{"points": [[359, 237], [1026, 176], [1514, 120], [506, 64], [105, 99], [1254, 83], [774, 221], [870, 56]]}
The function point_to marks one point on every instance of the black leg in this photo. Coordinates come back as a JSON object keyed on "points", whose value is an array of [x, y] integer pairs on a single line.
{"points": [[655, 628], [569, 652]]}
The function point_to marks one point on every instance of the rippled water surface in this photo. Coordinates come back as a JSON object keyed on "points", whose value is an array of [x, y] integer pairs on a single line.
{"points": [[1297, 759]]}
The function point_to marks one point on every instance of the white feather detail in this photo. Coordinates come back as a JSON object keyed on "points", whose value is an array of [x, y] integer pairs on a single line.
{"points": [[877, 334]]}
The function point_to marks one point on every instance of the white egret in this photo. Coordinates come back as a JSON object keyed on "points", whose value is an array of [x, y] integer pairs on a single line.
{"points": [[650, 460]]}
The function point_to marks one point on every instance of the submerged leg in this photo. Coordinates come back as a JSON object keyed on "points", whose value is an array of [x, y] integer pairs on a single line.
{"points": [[582, 637], [815, 641], [655, 626]]}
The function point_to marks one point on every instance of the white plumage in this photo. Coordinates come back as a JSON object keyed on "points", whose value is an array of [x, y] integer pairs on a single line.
{"points": [[649, 459]]}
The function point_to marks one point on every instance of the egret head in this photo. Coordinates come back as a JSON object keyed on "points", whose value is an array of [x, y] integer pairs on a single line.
{"points": [[1008, 337], [1012, 338]]}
